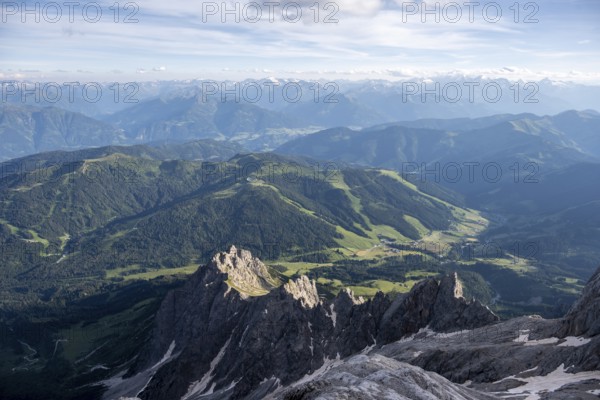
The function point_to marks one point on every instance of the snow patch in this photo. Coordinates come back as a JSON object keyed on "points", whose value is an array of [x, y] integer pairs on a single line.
{"points": [[570, 341], [200, 386], [333, 315], [163, 360], [90, 353], [243, 336], [327, 365], [167, 355], [556, 379]]}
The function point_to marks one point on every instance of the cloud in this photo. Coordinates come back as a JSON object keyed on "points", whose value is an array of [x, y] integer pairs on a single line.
{"points": [[370, 36]]}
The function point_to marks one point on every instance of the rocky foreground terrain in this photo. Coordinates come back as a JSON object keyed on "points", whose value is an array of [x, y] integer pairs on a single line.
{"points": [[235, 332]]}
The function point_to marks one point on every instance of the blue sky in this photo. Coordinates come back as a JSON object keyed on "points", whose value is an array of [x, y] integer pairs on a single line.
{"points": [[181, 39]]}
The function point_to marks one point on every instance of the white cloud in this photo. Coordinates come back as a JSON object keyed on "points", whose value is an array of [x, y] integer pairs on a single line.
{"points": [[370, 36]]}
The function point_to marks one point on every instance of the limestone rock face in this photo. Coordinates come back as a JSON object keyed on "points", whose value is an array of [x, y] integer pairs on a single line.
{"points": [[246, 274], [437, 305], [303, 290], [377, 377], [453, 313]]}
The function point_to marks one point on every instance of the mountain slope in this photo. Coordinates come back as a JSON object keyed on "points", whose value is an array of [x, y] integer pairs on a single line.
{"points": [[194, 117], [398, 147], [27, 130], [117, 214]]}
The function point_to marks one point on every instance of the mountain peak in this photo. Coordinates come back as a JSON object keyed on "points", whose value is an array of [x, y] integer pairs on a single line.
{"points": [[451, 311], [245, 273], [218, 335], [451, 287], [304, 290]]}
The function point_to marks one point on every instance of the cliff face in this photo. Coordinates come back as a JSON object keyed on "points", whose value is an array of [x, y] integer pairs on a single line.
{"points": [[232, 330]]}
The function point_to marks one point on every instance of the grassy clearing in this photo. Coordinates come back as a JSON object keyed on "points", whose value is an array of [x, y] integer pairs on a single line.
{"points": [[300, 268], [471, 223], [13, 229], [371, 288], [519, 265], [134, 272], [417, 225], [38, 239]]}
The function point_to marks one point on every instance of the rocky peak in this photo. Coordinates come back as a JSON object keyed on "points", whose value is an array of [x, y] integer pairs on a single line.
{"points": [[584, 317], [451, 287], [346, 297], [245, 273], [452, 312], [229, 312], [304, 290]]}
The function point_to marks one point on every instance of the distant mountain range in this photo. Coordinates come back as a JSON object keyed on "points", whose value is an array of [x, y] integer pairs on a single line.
{"points": [[550, 141], [192, 110], [360, 103]]}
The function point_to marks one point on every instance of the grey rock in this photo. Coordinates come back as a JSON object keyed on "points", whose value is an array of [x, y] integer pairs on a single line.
{"points": [[452, 312], [377, 377], [231, 324], [235, 332]]}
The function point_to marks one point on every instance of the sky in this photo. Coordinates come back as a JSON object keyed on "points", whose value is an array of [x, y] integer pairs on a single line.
{"points": [[346, 39]]}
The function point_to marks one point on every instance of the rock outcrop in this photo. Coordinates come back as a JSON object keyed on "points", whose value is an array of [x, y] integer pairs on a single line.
{"points": [[440, 306], [453, 313], [230, 332], [246, 274], [304, 290], [376, 377], [527, 356]]}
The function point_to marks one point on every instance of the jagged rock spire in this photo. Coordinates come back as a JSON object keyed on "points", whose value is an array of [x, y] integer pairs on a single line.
{"points": [[303, 289], [247, 274]]}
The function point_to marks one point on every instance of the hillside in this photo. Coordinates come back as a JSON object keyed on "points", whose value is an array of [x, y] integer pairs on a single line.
{"points": [[118, 215], [516, 139], [26, 130]]}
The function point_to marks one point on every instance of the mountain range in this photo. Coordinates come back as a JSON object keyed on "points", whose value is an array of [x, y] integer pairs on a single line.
{"points": [[200, 109], [376, 255], [110, 212], [234, 332]]}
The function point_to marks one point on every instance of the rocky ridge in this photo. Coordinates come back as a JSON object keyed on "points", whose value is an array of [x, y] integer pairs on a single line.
{"points": [[232, 333], [220, 337]]}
